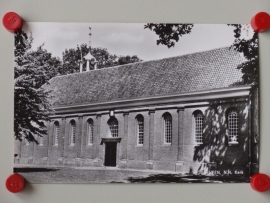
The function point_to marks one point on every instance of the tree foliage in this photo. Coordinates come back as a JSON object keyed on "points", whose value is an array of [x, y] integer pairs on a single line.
{"points": [[128, 59], [169, 33], [72, 58], [22, 43], [249, 49], [32, 70]]}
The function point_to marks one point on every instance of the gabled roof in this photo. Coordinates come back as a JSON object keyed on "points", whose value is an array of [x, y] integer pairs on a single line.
{"points": [[193, 72]]}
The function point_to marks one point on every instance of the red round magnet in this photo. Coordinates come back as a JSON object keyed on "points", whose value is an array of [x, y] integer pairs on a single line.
{"points": [[12, 21], [260, 22], [260, 182], [15, 183]]}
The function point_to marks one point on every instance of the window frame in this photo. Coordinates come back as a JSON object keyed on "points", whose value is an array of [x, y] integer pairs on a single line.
{"points": [[26, 142], [139, 131], [165, 128], [198, 139], [229, 125], [56, 125], [114, 130], [41, 141], [72, 136], [90, 138]]}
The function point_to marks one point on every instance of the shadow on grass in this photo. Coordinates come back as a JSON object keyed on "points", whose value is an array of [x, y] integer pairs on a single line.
{"points": [[30, 170], [175, 178]]}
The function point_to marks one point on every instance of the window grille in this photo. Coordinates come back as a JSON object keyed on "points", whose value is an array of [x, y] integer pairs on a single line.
{"points": [[199, 128], [56, 133], [233, 126], [140, 130], [168, 129], [72, 132], [90, 132], [114, 127]]}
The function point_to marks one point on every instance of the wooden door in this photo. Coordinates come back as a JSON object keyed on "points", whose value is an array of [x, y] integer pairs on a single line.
{"points": [[110, 154]]}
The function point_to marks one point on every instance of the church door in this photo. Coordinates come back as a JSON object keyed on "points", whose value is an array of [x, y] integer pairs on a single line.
{"points": [[110, 154]]}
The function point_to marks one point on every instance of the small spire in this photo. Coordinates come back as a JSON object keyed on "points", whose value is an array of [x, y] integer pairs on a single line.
{"points": [[90, 34], [89, 57]]}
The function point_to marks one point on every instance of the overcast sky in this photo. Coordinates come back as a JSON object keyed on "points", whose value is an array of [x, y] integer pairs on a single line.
{"points": [[127, 39]]}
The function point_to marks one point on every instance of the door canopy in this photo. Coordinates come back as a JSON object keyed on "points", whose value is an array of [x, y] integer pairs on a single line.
{"points": [[110, 139]]}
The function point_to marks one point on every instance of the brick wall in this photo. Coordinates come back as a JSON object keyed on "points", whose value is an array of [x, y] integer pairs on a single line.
{"points": [[154, 151]]}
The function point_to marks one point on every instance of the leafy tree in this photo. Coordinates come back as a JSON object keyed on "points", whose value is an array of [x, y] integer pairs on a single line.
{"points": [[169, 33], [104, 58], [128, 59], [72, 58], [32, 70], [22, 44], [249, 49]]}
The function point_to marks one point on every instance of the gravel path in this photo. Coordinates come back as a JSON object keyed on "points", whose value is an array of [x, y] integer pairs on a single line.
{"points": [[116, 175]]}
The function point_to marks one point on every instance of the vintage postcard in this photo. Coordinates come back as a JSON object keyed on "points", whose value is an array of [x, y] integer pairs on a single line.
{"points": [[136, 103]]}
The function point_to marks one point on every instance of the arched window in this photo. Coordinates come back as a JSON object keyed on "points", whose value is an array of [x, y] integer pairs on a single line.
{"points": [[27, 143], [167, 120], [140, 129], [90, 129], [113, 124], [198, 123], [56, 133], [233, 126], [41, 140], [72, 132]]}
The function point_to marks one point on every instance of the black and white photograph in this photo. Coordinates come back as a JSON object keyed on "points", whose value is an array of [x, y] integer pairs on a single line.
{"points": [[136, 103]]}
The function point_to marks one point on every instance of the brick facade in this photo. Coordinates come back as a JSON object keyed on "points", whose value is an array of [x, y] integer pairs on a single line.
{"points": [[182, 155]]}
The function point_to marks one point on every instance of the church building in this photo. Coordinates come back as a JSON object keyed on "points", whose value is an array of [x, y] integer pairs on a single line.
{"points": [[187, 114]]}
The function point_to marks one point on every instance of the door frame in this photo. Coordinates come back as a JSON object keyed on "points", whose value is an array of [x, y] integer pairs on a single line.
{"points": [[112, 140], [110, 147]]}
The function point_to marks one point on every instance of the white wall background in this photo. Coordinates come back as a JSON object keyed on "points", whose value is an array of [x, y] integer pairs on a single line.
{"points": [[177, 11]]}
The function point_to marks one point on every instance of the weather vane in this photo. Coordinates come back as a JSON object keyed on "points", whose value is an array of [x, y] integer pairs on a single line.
{"points": [[90, 34]]}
